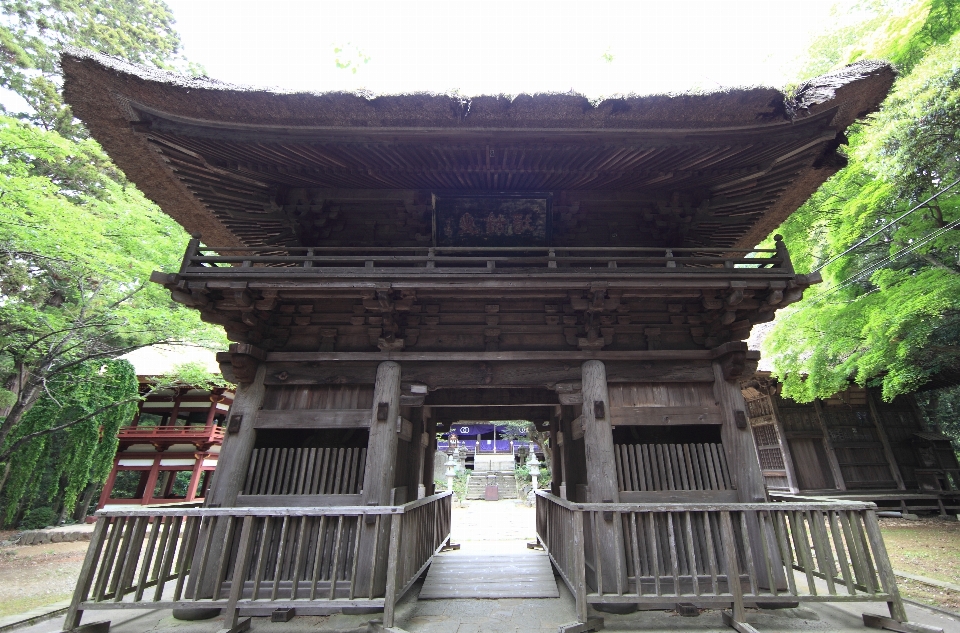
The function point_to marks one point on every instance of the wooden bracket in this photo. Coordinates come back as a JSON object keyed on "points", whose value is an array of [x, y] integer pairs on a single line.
{"points": [[687, 609], [241, 627], [741, 627], [236, 421], [883, 622], [741, 419], [599, 410], [92, 627], [592, 624], [376, 626], [283, 614]]}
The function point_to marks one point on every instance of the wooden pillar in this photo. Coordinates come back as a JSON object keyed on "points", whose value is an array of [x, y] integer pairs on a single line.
{"points": [[430, 428], [413, 473], [556, 475], [882, 434], [838, 481], [136, 416], [212, 411], [738, 443], [232, 464], [108, 484], [237, 447], [602, 475], [195, 477], [379, 477], [175, 413], [151, 480], [743, 464]]}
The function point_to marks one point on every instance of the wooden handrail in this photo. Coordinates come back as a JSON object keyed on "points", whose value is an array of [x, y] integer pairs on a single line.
{"points": [[820, 504], [234, 558], [718, 554]]}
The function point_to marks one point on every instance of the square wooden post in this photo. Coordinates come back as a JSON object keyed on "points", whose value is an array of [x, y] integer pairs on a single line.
{"points": [[231, 472], [743, 464], [151, 480], [108, 485], [195, 478], [602, 484], [379, 477]]}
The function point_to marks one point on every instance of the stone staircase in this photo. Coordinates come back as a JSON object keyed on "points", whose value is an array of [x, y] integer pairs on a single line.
{"points": [[477, 485]]}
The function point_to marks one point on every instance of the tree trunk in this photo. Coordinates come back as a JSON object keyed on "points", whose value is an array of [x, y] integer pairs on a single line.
{"points": [[25, 401], [60, 501], [83, 505], [541, 440], [6, 473]]}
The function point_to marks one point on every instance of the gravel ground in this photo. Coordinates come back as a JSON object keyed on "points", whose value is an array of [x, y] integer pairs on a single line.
{"points": [[38, 575], [929, 547]]}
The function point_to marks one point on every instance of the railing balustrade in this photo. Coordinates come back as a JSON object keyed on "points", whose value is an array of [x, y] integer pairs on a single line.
{"points": [[553, 260], [212, 431], [235, 558], [721, 554]]}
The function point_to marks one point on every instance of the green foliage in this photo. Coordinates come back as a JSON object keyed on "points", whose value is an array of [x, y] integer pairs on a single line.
{"points": [[898, 30], [32, 32], [194, 374], [80, 453], [77, 245], [38, 518], [460, 483], [898, 325], [350, 58]]}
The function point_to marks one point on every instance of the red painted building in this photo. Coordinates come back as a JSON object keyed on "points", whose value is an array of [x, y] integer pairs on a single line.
{"points": [[168, 452]]}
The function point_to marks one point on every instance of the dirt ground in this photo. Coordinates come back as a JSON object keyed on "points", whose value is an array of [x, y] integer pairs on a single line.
{"points": [[38, 574], [929, 547]]}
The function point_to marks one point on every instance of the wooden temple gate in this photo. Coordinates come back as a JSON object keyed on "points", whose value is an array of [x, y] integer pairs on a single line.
{"points": [[390, 267]]}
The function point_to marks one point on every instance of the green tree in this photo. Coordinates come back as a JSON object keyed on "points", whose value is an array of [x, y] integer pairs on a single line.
{"points": [[75, 258], [888, 312], [71, 433], [32, 32]]}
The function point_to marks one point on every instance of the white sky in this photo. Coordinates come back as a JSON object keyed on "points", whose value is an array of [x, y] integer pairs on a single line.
{"points": [[493, 46]]}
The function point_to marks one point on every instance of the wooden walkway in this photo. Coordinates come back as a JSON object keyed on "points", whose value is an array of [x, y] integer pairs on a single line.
{"points": [[454, 575]]}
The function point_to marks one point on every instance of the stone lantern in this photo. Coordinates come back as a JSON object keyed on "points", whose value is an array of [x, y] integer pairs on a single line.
{"points": [[451, 472], [533, 466]]}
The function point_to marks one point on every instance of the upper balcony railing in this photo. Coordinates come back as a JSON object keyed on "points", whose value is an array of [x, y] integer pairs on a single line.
{"points": [[373, 261], [209, 433]]}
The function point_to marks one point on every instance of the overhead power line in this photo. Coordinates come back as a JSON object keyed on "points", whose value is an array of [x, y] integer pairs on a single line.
{"points": [[888, 225], [886, 261]]}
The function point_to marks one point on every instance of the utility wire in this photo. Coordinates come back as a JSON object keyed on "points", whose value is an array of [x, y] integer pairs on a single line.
{"points": [[886, 261], [888, 225]]}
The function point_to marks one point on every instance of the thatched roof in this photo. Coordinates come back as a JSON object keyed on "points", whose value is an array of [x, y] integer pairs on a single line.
{"points": [[245, 166]]}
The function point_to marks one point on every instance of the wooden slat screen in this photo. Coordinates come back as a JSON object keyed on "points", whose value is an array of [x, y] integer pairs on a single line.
{"points": [[655, 467], [306, 471]]}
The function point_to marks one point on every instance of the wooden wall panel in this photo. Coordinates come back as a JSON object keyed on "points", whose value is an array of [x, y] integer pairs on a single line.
{"points": [[652, 394], [289, 397], [858, 448], [810, 464]]}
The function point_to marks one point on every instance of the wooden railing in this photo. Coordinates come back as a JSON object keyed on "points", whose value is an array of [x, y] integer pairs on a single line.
{"points": [[234, 558], [359, 260], [720, 554], [211, 432]]}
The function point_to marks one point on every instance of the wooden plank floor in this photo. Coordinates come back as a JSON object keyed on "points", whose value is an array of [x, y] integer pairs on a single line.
{"points": [[454, 575]]}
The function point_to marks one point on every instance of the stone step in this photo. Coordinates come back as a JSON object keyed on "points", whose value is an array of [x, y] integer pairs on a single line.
{"points": [[477, 486]]}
